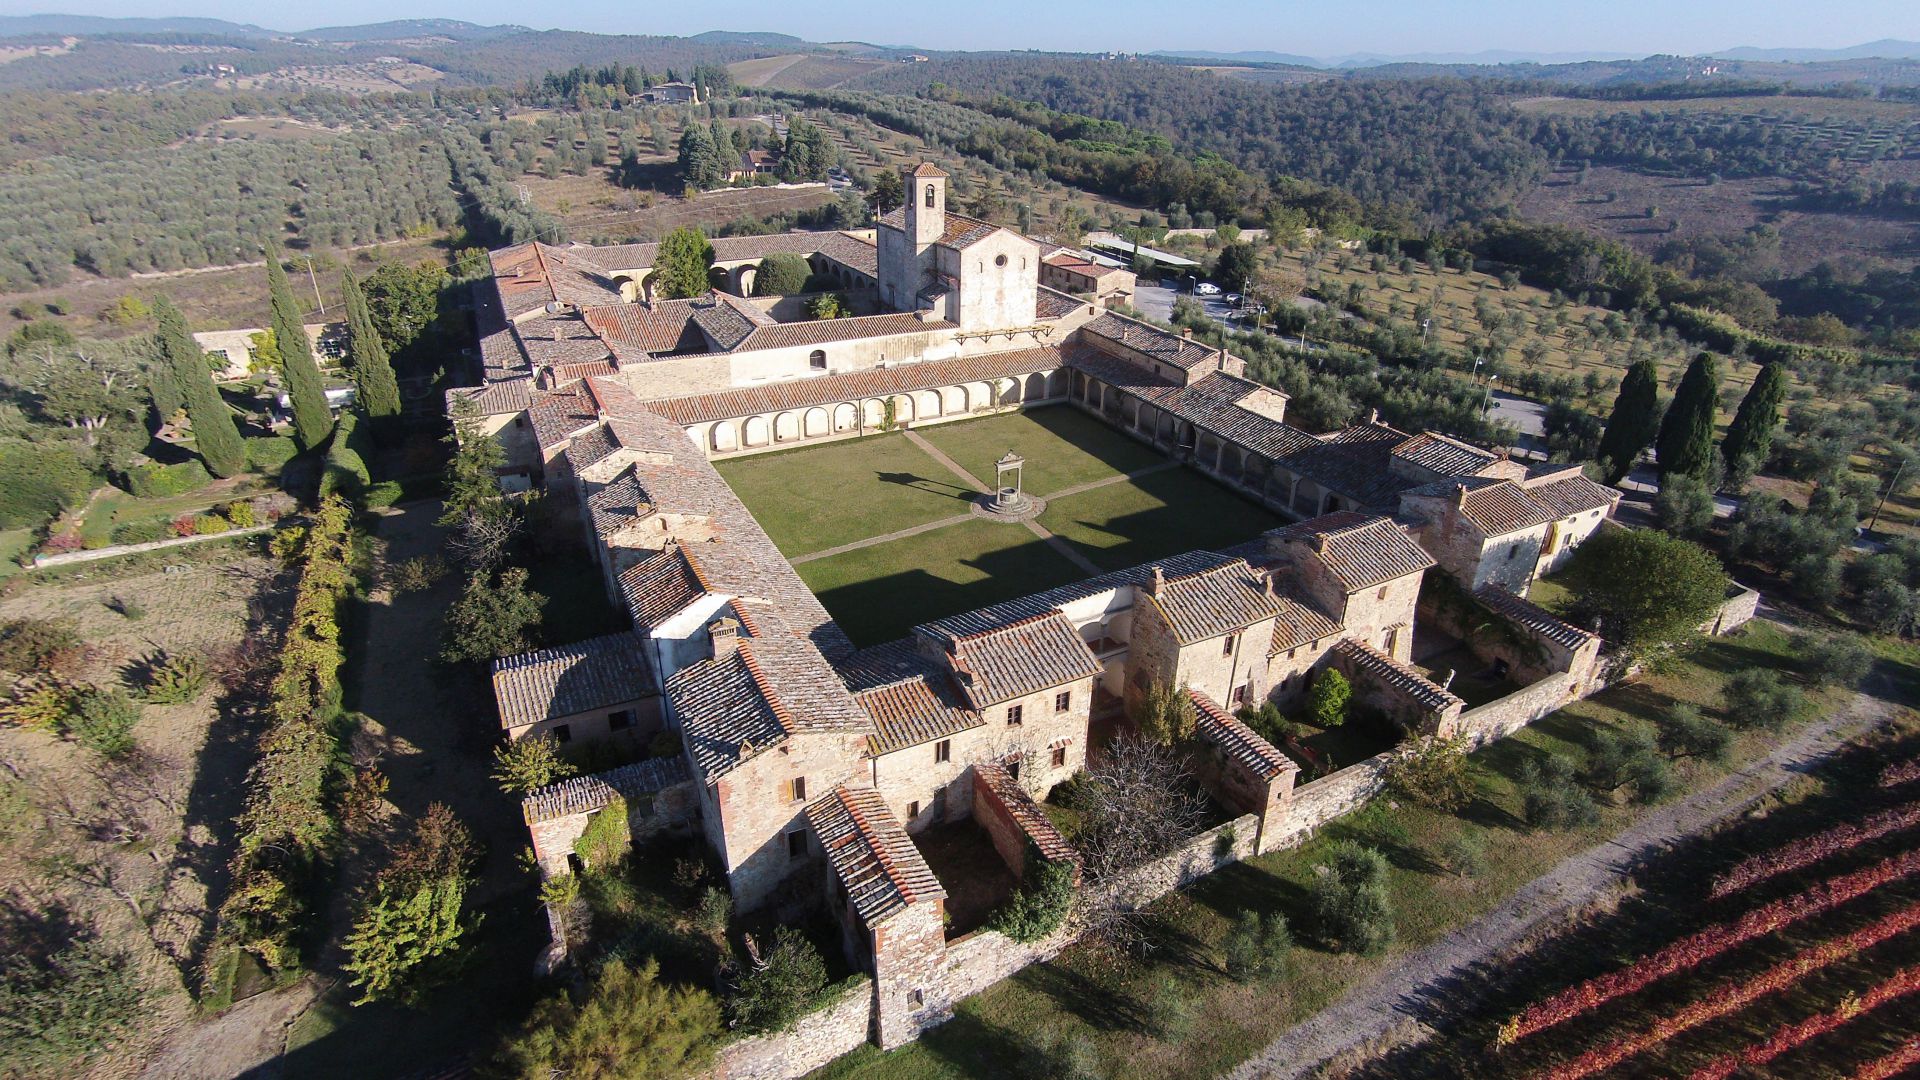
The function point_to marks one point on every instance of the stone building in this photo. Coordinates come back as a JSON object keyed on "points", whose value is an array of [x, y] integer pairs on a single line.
{"points": [[813, 770]]}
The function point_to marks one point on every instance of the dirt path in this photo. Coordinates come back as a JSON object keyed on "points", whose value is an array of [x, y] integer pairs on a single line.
{"points": [[1391, 1000]]}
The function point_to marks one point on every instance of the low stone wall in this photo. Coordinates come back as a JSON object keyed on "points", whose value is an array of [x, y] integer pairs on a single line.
{"points": [[1741, 605], [985, 957], [1500, 718], [816, 1039], [1198, 857]]}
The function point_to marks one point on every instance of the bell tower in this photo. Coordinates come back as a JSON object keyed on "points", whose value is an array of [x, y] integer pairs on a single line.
{"points": [[926, 189]]}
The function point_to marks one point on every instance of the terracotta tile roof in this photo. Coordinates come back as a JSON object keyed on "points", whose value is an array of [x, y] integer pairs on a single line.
{"points": [[627, 258], [726, 325], [911, 701], [1216, 601], [1240, 743], [961, 232], [591, 674], [1053, 304], [496, 398], [1210, 403], [555, 340], [1032, 821], [558, 415], [926, 169], [1503, 508], [1353, 463], [852, 253], [527, 277], [856, 385], [636, 332], [769, 688], [1531, 617], [1299, 624], [1360, 551], [1025, 607], [827, 331], [1574, 495], [871, 855], [1162, 345], [1399, 677], [1018, 659], [584, 794], [1442, 454], [661, 586]]}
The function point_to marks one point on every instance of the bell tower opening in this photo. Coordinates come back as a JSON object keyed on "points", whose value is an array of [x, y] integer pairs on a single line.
{"points": [[926, 204]]}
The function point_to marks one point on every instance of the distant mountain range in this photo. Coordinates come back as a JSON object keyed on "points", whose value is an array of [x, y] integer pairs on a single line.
{"points": [[400, 29], [1884, 49]]}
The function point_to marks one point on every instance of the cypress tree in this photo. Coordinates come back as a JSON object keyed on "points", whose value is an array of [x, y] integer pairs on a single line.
{"points": [[312, 420], [163, 387], [1750, 436], [1635, 419], [1685, 444], [214, 435], [377, 392]]}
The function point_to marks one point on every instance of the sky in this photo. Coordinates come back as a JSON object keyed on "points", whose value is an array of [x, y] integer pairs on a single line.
{"points": [[1318, 28]]}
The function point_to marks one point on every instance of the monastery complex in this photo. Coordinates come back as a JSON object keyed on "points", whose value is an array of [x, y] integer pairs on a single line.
{"points": [[809, 766]]}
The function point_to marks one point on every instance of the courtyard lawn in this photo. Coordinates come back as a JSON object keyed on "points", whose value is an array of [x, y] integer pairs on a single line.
{"points": [[879, 593], [1064, 447], [820, 497], [1127, 524], [1178, 1015]]}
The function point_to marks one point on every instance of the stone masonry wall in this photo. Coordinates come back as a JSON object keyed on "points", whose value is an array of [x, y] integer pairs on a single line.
{"points": [[816, 1039], [1498, 719]]}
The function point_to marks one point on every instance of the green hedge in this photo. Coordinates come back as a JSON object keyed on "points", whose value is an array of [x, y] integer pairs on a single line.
{"points": [[345, 471], [39, 480], [143, 532], [153, 481], [268, 453]]}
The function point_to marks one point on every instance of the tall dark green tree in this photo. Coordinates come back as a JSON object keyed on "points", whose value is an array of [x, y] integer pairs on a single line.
{"points": [[1750, 436], [700, 162], [1685, 443], [214, 435], [1634, 421], [163, 386], [680, 268], [376, 390], [312, 420]]}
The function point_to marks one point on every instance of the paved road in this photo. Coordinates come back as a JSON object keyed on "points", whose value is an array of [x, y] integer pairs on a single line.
{"points": [[1399, 995]]}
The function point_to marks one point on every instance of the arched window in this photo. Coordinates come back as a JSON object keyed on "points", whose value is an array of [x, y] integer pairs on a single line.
{"points": [[817, 360], [929, 196]]}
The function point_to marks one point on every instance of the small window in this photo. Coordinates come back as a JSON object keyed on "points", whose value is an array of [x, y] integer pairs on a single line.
{"points": [[1513, 552], [797, 844], [799, 789], [913, 810], [1059, 757], [817, 360], [620, 720], [1382, 594], [1013, 715], [1000, 261], [1240, 694], [916, 998], [1227, 643], [929, 196], [943, 751], [1063, 701], [563, 732]]}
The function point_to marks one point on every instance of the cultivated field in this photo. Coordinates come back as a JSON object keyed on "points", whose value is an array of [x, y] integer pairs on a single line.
{"points": [[1111, 503]]}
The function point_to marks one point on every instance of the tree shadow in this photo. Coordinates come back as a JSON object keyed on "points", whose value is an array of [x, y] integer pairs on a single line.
{"points": [[932, 487], [1100, 1005]]}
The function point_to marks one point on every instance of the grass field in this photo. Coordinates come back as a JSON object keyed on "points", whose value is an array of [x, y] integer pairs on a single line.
{"points": [[821, 498], [1178, 1014]]}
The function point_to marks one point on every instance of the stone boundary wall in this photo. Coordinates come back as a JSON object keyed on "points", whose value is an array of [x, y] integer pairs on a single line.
{"points": [[1192, 861], [1502, 717], [67, 557], [814, 1040], [1337, 793], [1741, 605], [985, 957]]}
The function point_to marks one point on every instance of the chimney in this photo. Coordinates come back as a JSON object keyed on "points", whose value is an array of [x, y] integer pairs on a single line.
{"points": [[1267, 580], [725, 635], [1459, 494], [1157, 582], [1373, 416], [1320, 542], [1186, 333]]}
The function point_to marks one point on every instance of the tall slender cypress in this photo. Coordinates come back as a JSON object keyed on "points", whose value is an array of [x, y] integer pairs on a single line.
{"points": [[378, 394], [1634, 421], [214, 435], [1750, 436], [1685, 444], [312, 420]]}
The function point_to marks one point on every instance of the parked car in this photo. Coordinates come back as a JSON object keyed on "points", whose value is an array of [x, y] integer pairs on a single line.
{"points": [[1232, 298], [1207, 288]]}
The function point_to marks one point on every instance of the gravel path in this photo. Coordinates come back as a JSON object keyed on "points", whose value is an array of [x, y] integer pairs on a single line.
{"points": [[1392, 999]]}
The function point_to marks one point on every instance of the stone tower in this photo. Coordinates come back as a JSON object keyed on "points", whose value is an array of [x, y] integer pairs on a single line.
{"points": [[926, 204]]}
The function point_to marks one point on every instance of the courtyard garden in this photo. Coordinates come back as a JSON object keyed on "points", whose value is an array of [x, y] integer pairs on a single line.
{"points": [[881, 529]]}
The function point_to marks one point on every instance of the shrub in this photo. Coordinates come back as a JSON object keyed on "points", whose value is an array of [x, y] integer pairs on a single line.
{"points": [[38, 480], [527, 765], [417, 574], [1174, 1010], [30, 645], [712, 912], [1256, 947], [385, 493], [156, 481], [1465, 854], [1833, 659], [1327, 701], [1041, 904], [174, 679], [268, 453], [1433, 772], [1757, 697], [70, 996], [1688, 733], [142, 532], [608, 839], [625, 1024], [210, 525], [1551, 799], [1348, 898], [102, 720], [240, 512], [1269, 722], [782, 985]]}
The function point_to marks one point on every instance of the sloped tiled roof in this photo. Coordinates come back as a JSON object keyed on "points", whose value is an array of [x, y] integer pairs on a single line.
{"points": [[497, 398], [636, 332], [558, 414], [1503, 508], [1215, 601], [871, 855], [1442, 454], [1531, 617], [587, 675], [770, 687], [1240, 743], [961, 231], [910, 700], [1359, 550], [1032, 821], [1399, 677], [584, 794], [1574, 495], [1021, 658], [726, 324], [661, 586], [1025, 607], [1299, 624], [1053, 304], [1210, 403], [631, 257], [1163, 345], [855, 385], [529, 276]]}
